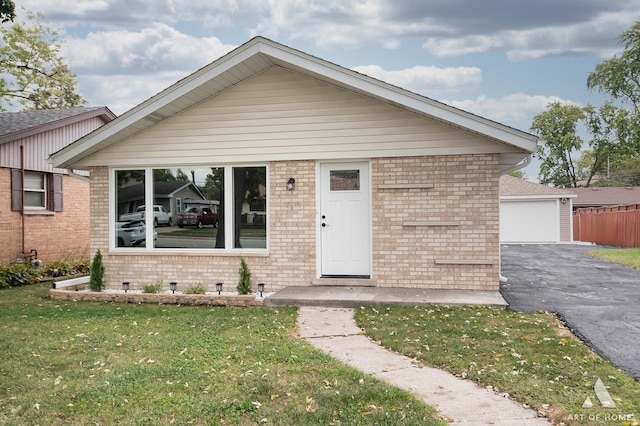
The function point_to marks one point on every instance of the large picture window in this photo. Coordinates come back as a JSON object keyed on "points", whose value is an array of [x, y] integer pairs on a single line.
{"points": [[198, 208]]}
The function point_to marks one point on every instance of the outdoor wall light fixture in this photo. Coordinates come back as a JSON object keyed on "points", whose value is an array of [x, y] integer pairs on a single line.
{"points": [[261, 288], [219, 288], [172, 286], [564, 200], [125, 286], [291, 184]]}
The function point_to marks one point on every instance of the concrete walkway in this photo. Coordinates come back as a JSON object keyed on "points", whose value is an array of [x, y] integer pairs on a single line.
{"points": [[353, 297], [334, 331]]}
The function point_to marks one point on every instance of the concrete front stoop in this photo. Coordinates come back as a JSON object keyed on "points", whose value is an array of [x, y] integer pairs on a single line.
{"points": [[334, 331]]}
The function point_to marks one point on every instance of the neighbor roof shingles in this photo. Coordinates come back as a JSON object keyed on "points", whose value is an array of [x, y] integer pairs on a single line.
{"points": [[512, 186]]}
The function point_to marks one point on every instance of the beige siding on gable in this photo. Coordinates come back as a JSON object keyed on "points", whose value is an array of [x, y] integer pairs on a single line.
{"points": [[281, 115]]}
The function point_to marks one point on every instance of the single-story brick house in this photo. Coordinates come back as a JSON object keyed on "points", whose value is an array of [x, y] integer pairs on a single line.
{"points": [[44, 210], [357, 178], [534, 213]]}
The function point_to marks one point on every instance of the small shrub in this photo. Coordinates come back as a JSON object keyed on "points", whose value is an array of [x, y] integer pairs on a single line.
{"points": [[244, 283], [195, 289], [96, 279], [152, 288], [59, 268], [18, 274]]}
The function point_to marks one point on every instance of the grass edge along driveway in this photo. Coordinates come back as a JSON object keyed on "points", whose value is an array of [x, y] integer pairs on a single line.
{"points": [[531, 358]]}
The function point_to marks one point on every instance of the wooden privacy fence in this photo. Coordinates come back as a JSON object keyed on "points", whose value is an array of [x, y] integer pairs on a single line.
{"points": [[617, 226]]}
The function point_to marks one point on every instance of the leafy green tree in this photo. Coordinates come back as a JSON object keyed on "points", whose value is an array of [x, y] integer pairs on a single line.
{"points": [[557, 127], [33, 75], [7, 11], [620, 75], [518, 174], [625, 173], [564, 161], [608, 127], [163, 175]]}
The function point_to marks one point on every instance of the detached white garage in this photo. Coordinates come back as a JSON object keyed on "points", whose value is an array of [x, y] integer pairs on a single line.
{"points": [[534, 213]]}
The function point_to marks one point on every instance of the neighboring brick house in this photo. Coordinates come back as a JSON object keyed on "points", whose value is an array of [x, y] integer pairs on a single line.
{"points": [[54, 220], [362, 182]]}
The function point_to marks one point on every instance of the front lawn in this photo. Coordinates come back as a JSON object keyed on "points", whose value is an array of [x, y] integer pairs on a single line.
{"points": [[106, 363], [531, 357], [627, 257]]}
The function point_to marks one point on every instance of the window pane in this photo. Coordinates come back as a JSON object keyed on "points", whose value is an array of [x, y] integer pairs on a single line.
{"points": [[35, 190], [193, 197], [345, 180], [250, 207], [34, 181], [34, 199], [130, 227]]}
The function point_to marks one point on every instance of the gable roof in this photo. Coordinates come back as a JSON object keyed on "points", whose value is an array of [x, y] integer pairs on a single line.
{"points": [[18, 125], [260, 54], [514, 188], [606, 196]]}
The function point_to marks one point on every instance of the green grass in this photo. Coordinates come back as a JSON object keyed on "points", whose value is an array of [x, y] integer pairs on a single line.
{"points": [[106, 363], [532, 357], [627, 257]]}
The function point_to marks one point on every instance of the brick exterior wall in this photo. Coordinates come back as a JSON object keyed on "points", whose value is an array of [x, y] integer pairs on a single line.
{"points": [[465, 190], [56, 236]]}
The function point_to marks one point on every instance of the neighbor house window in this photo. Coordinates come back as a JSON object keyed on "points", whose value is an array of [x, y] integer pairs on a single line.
{"points": [[42, 192], [212, 208], [35, 190]]}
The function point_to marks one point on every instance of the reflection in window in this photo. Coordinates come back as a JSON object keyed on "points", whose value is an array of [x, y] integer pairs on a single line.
{"points": [[195, 198], [130, 226], [345, 180], [250, 207]]}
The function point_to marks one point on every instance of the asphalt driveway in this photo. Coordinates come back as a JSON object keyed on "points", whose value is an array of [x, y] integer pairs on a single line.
{"points": [[599, 301]]}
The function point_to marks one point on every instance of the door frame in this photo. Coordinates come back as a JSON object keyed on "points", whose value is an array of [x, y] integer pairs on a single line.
{"points": [[319, 213]]}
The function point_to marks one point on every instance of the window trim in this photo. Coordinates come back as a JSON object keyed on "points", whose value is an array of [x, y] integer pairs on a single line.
{"points": [[229, 250]]}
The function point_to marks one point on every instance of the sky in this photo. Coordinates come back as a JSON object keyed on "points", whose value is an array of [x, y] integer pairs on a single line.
{"points": [[505, 60]]}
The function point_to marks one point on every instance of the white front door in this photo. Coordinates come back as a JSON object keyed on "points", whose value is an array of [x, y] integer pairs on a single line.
{"points": [[345, 220]]}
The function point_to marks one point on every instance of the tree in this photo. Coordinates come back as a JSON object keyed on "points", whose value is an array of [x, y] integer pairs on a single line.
{"points": [[608, 127], [625, 173], [620, 75], [7, 11], [518, 174], [33, 75], [564, 161], [557, 127]]}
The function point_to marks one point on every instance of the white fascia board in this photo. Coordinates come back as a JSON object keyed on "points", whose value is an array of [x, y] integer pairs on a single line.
{"points": [[153, 104]]}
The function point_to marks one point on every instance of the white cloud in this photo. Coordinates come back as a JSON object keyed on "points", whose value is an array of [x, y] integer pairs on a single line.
{"points": [[426, 79], [159, 47], [516, 107], [583, 38], [123, 68]]}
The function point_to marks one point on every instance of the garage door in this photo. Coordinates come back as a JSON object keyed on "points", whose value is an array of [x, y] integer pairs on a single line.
{"points": [[529, 221]]}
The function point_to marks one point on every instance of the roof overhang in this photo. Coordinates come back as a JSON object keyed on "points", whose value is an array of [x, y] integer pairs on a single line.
{"points": [[258, 55]]}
